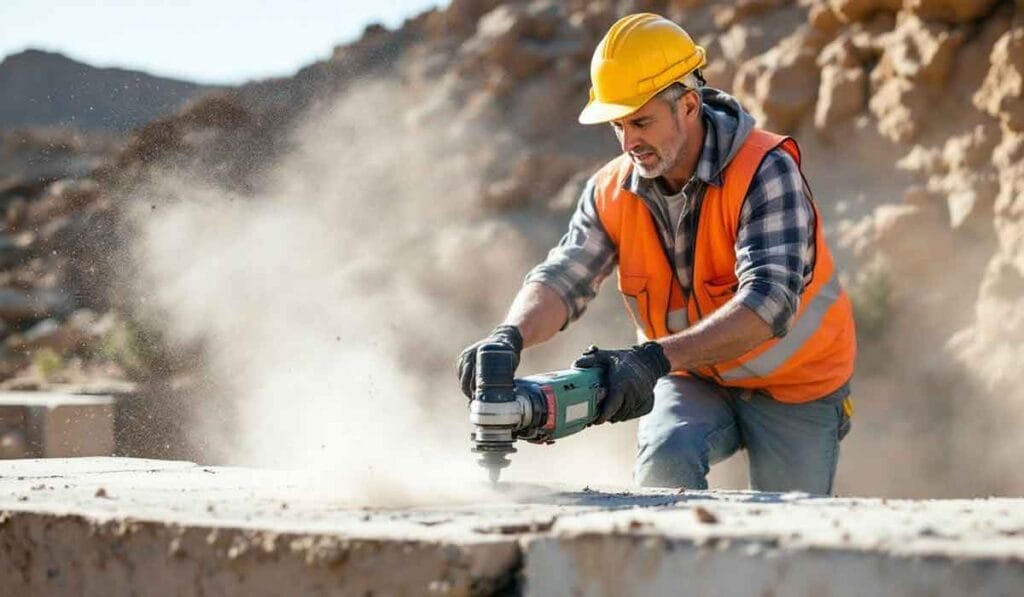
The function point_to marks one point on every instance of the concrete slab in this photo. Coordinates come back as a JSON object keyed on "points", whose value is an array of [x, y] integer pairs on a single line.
{"points": [[107, 526], [755, 544]]}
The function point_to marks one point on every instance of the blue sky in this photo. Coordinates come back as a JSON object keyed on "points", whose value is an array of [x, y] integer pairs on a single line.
{"points": [[212, 41]]}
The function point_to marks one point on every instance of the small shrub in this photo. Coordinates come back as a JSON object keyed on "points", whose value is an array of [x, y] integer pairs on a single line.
{"points": [[47, 362], [129, 345], [871, 298]]}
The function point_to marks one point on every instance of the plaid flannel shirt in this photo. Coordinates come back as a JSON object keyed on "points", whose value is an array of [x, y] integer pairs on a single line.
{"points": [[774, 243]]}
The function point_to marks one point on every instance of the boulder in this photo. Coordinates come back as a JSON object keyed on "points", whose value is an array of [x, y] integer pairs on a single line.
{"points": [[898, 106], [60, 198], [78, 331], [199, 124], [914, 68], [511, 38], [1008, 158], [734, 48], [1002, 93], [968, 181], [919, 51], [999, 323], [462, 15], [971, 201], [854, 47], [727, 15], [971, 150], [824, 19], [11, 253], [534, 176], [842, 93], [683, 5], [852, 11], [28, 305], [781, 85], [950, 11]]}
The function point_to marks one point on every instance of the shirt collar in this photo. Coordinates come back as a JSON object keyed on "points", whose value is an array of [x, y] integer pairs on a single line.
{"points": [[708, 169]]}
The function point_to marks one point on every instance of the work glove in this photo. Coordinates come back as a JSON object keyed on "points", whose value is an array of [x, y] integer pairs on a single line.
{"points": [[466, 365], [630, 376]]}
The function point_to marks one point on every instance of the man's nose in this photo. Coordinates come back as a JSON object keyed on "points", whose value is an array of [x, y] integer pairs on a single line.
{"points": [[629, 139]]}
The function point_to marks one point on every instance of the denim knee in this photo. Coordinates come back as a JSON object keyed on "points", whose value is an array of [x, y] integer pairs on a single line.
{"points": [[674, 457]]}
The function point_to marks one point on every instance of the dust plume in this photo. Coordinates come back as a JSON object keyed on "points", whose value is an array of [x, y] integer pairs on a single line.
{"points": [[333, 302]]}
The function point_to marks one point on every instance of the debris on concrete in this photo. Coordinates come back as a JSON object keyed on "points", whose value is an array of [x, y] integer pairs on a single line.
{"points": [[178, 527]]}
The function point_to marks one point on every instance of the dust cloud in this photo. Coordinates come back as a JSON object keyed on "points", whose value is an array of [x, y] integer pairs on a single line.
{"points": [[332, 303]]}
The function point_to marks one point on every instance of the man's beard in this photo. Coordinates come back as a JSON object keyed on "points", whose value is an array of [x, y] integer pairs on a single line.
{"points": [[666, 158]]}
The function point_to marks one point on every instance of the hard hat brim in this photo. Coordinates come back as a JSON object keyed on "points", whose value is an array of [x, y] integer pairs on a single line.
{"points": [[597, 112]]}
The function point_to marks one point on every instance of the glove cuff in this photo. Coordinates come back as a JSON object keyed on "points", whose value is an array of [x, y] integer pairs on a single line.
{"points": [[511, 334], [654, 354]]}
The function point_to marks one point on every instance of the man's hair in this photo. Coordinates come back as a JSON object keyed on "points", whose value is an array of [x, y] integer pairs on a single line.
{"points": [[673, 92]]}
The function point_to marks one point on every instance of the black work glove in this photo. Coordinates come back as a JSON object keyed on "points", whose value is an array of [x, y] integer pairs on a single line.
{"points": [[630, 376], [466, 365]]}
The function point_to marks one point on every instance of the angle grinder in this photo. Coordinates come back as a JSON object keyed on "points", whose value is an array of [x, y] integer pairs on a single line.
{"points": [[539, 408]]}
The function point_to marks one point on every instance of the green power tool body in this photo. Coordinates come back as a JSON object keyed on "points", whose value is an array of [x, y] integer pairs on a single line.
{"points": [[539, 408]]}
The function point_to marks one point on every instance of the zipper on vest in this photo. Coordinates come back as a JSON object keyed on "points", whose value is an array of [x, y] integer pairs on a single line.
{"points": [[697, 209]]}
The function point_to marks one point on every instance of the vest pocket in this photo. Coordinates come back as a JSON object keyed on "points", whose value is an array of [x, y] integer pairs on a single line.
{"points": [[721, 285], [720, 290], [634, 292]]}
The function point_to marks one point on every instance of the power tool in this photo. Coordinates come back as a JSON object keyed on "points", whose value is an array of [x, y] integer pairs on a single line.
{"points": [[539, 408]]}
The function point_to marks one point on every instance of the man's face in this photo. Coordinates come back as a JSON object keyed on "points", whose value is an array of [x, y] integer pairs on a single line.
{"points": [[653, 136]]}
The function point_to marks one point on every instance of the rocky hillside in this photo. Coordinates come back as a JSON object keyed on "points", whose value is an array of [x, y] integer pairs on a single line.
{"points": [[46, 88], [389, 199]]}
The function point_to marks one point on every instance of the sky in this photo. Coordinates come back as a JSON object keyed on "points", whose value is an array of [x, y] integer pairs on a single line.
{"points": [[208, 41]]}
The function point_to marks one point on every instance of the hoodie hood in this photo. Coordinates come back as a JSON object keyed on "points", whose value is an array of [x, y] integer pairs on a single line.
{"points": [[729, 124]]}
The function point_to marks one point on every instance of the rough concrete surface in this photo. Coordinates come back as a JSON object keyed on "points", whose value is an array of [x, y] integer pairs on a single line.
{"points": [[114, 526]]}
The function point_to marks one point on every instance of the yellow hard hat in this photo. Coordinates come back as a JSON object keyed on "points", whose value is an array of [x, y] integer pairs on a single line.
{"points": [[639, 56]]}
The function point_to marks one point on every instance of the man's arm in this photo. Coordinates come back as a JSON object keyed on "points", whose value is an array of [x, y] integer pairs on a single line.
{"points": [[774, 255], [539, 313], [557, 291], [727, 333]]}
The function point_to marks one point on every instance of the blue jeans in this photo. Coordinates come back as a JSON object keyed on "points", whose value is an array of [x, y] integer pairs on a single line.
{"points": [[696, 423]]}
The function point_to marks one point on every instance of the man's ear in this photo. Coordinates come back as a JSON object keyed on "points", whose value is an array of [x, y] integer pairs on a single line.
{"points": [[690, 105]]}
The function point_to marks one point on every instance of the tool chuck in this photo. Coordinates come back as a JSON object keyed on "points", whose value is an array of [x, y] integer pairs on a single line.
{"points": [[494, 411], [538, 409]]}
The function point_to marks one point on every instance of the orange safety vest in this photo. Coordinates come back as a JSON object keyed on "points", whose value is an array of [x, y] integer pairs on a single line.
{"points": [[814, 359]]}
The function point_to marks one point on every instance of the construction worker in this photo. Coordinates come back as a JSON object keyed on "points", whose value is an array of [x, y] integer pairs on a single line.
{"points": [[747, 338]]}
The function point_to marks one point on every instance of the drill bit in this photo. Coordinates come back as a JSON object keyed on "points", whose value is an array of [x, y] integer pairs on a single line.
{"points": [[494, 461]]}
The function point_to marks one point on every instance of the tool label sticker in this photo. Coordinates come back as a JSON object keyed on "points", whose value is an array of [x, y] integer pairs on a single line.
{"points": [[575, 412]]}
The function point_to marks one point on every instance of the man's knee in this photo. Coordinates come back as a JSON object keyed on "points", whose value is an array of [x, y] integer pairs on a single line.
{"points": [[676, 456]]}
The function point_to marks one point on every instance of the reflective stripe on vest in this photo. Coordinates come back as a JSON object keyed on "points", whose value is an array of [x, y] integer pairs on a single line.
{"points": [[810, 320], [677, 321]]}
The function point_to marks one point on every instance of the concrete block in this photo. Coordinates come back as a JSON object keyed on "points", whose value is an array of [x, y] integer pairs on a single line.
{"points": [[53, 425]]}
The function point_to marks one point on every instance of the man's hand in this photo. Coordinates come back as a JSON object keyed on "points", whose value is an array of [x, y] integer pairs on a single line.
{"points": [[630, 375], [466, 365]]}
